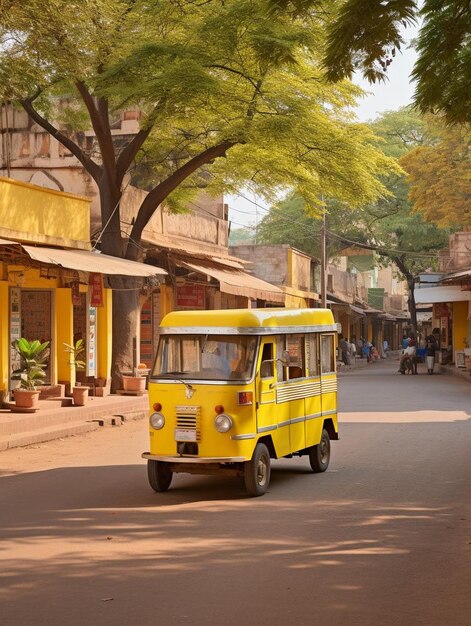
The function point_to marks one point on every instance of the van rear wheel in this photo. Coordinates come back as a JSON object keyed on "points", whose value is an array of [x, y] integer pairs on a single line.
{"points": [[319, 456], [257, 471], [160, 475]]}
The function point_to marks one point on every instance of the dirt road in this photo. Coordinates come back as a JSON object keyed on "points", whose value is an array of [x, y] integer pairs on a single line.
{"points": [[384, 537]]}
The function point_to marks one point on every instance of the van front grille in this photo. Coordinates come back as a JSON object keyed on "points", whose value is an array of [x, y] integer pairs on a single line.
{"points": [[189, 418]]}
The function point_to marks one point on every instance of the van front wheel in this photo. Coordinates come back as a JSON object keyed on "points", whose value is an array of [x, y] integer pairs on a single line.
{"points": [[257, 471], [160, 475], [319, 456]]}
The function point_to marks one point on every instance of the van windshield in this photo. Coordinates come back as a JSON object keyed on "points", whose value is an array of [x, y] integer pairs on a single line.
{"points": [[205, 357]]}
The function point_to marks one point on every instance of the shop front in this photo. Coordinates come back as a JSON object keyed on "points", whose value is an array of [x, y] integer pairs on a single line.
{"points": [[54, 294]]}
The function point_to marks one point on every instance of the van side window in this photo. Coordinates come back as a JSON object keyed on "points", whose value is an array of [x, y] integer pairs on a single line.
{"points": [[312, 354], [297, 362], [267, 369], [327, 354]]}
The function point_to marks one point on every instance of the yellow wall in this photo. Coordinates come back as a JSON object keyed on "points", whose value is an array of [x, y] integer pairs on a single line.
{"points": [[460, 325], [36, 214]]}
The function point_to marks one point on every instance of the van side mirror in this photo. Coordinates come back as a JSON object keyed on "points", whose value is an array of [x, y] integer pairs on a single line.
{"points": [[284, 358]]}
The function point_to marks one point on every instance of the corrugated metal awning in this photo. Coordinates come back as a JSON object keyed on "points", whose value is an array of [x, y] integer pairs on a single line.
{"points": [[445, 293], [456, 276], [239, 283], [84, 261]]}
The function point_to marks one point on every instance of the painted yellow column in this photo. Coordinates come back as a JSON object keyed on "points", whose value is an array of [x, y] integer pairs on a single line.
{"points": [[64, 324], [166, 300], [4, 336], [460, 326], [104, 335], [369, 330]]}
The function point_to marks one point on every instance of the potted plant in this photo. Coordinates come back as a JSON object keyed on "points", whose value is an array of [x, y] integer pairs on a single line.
{"points": [[33, 356], [137, 383], [79, 392]]}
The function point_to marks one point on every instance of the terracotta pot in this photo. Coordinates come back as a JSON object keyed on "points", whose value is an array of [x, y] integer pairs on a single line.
{"points": [[26, 399], [134, 383], [80, 395]]}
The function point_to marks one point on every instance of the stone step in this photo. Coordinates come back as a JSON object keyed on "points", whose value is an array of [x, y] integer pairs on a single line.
{"points": [[40, 435]]}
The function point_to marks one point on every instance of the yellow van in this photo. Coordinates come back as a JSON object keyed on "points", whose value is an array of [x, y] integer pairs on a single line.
{"points": [[232, 389]]}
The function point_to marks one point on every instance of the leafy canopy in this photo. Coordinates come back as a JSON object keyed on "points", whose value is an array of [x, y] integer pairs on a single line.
{"points": [[439, 176], [218, 79], [365, 35]]}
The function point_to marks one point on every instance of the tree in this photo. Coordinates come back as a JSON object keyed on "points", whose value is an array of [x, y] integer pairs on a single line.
{"points": [[289, 221], [229, 94], [440, 177], [389, 227]]}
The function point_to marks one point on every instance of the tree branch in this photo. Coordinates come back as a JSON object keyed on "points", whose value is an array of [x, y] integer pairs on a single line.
{"points": [[99, 117], [155, 197], [92, 168]]}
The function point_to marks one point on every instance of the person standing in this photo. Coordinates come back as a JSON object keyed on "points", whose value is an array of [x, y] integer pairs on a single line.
{"points": [[344, 348], [430, 354]]}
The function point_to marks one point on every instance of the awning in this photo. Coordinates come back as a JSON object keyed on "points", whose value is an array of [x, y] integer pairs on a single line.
{"points": [[456, 276], [432, 295], [348, 308], [84, 261], [239, 283]]}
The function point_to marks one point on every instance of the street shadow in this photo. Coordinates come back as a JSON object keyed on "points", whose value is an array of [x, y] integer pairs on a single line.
{"points": [[95, 544]]}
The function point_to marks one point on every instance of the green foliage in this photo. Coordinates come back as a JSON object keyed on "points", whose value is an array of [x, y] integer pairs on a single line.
{"points": [[76, 351], [33, 357], [389, 226], [366, 34], [443, 69]]}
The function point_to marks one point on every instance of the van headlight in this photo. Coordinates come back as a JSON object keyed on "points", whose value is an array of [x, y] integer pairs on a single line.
{"points": [[223, 423], [157, 421]]}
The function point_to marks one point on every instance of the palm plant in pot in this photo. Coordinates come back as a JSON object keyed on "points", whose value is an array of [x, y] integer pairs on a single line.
{"points": [[76, 350], [33, 361]]}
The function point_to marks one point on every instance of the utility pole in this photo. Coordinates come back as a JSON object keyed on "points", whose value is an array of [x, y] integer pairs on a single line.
{"points": [[323, 264]]}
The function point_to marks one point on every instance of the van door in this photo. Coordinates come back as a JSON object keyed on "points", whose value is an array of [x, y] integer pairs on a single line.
{"points": [[272, 413], [266, 393]]}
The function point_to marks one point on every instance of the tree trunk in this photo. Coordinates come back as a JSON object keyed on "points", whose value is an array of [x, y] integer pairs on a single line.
{"points": [[126, 308], [412, 305]]}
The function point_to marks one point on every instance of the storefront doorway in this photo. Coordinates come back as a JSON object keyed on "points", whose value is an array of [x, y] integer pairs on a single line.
{"points": [[31, 318]]}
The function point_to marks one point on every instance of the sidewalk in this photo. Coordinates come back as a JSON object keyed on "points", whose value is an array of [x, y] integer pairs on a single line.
{"points": [[52, 421]]}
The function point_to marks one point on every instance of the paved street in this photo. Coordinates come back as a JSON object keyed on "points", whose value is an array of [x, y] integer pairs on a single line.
{"points": [[384, 537]]}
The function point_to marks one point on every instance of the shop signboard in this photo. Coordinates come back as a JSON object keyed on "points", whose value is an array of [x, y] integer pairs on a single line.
{"points": [[15, 326], [95, 286], [91, 344], [190, 297]]}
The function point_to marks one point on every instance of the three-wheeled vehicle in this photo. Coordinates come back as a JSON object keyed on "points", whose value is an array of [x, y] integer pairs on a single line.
{"points": [[232, 389]]}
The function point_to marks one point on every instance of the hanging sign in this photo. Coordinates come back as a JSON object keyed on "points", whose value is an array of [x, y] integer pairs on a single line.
{"points": [[95, 287], [190, 297]]}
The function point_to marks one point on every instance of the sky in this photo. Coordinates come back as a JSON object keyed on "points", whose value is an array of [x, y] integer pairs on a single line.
{"points": [[386, 96]]}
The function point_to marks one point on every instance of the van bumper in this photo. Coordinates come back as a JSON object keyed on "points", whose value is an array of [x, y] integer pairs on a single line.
{"points": [[193, 459]]}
